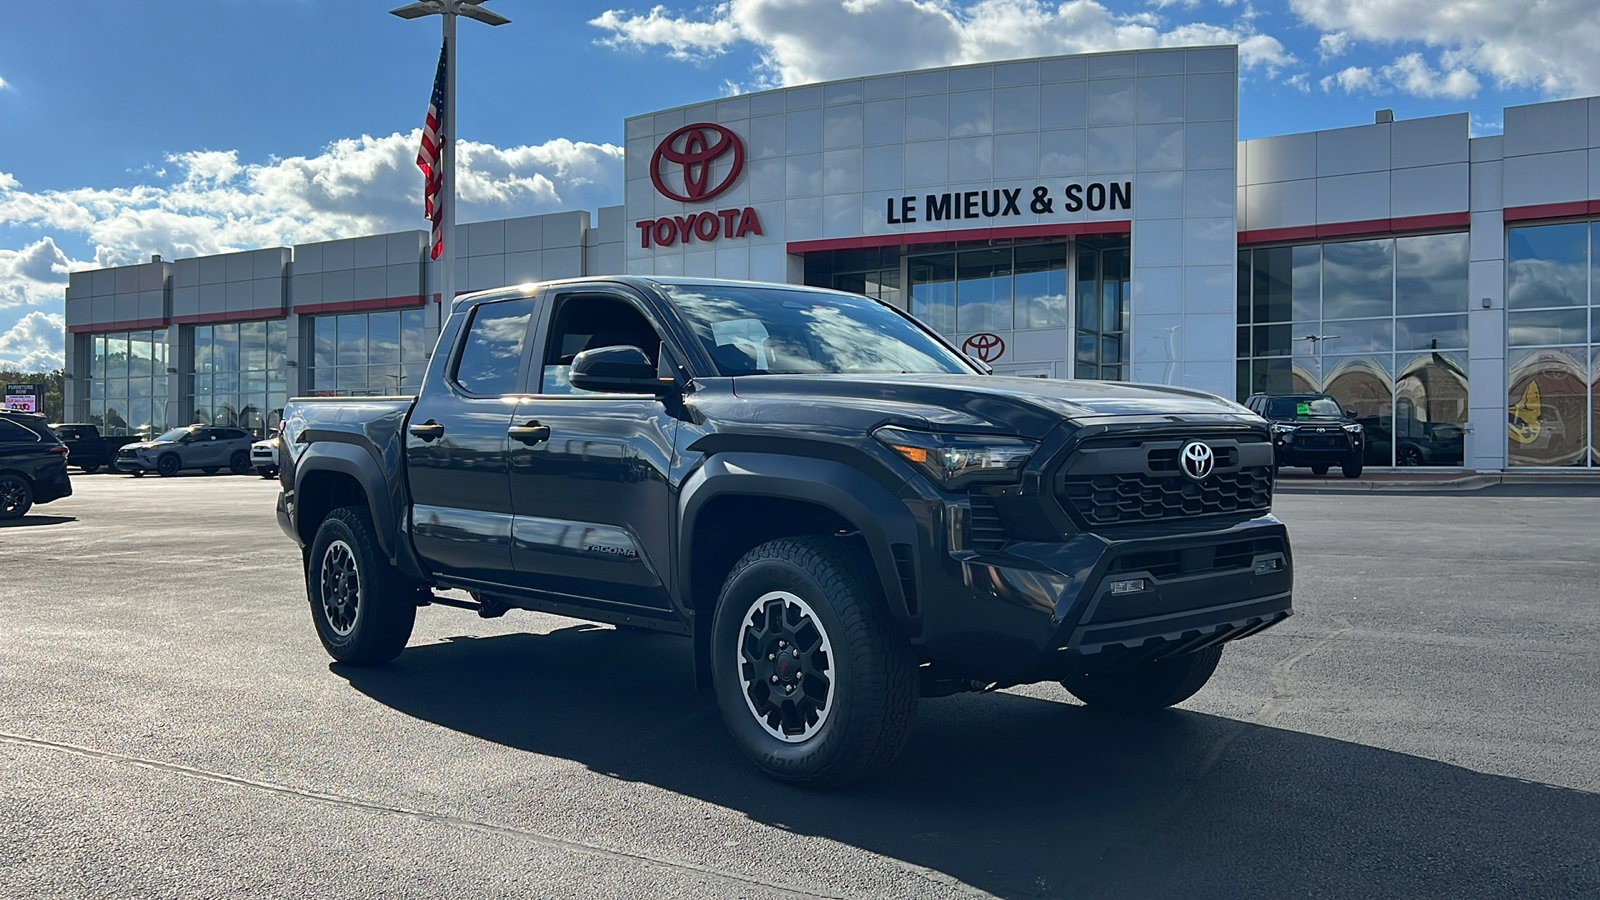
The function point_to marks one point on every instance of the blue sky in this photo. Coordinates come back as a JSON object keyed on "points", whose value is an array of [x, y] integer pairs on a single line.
{"points": [[200, 126]]}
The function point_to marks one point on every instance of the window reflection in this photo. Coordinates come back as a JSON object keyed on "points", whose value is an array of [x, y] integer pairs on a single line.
{"points": [[373, 353], [1358, 279], [1546, 266], [983, 290], [933, 293], [125, 390], [1431, 274], [1548, 415]]}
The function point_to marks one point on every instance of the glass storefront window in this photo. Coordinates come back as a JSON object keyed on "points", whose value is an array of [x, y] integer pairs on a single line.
{"points": [[933, 291], [1358, 279], [126, 390], [1040, 286], [1430, 274], [369, 353], [1546, 266], [240, 374], [1548, 403]]}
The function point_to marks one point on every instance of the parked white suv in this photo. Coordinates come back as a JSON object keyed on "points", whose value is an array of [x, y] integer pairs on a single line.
{"points": [[264, 456]]}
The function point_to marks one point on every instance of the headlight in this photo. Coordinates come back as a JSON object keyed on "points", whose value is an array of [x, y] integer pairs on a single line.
{"points": [[954, 460], [1282, 429], [1353, 429]]}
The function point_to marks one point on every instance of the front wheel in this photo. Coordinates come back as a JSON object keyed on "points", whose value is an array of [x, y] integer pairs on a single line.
{"points": [[1319, 470], [361, 606], [1149, 686], [1352, 469], [168, 466], [813, 681], [16, 497], [239, 462]]}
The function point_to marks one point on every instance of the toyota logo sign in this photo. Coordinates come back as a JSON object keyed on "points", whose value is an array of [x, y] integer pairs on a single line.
{"points": [[985, 345], [695, 147], [1197, 460]]}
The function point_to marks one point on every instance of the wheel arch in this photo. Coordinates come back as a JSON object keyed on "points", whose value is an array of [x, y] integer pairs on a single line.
{"points": [[738, 501], [335, 475]]}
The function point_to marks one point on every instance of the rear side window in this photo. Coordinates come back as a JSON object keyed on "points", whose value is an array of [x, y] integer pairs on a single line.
{"points": [[491, 357], [12, 433]]}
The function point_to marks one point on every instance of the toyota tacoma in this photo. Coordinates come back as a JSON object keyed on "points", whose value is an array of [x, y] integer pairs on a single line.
{"points": [[840, 512]]}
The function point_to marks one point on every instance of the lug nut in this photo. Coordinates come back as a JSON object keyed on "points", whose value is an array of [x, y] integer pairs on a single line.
{"points": [[774, 679], [772, 656], [781, 645], [788, 689]]}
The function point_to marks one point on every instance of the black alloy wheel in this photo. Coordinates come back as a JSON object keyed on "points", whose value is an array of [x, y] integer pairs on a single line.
{"points": [[362, 608], [239, 462], [1408, 456], [168, 465], [815, 683], [16, 497]]}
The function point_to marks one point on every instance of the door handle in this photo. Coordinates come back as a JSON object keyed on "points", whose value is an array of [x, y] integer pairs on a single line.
{"points": [[428, 431], [530, 434]]}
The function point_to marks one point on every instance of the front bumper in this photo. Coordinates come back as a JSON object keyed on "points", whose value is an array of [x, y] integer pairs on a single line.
{"points": [[133, 464], [1318, 449], [1036, 611]]}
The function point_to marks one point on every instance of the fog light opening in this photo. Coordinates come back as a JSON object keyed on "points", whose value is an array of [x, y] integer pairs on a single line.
{"points": [[1128, 586], [1264, 566]]}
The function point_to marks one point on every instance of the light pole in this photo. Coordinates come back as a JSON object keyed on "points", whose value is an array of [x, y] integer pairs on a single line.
{"points": [[448, 10]]}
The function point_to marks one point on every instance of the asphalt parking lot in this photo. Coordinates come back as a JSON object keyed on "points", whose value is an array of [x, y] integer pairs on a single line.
{"points": [[1427, 725]]}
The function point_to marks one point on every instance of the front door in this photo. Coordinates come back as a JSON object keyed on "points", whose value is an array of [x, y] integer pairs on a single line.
{"points": [[456, 446], [589, 472]]}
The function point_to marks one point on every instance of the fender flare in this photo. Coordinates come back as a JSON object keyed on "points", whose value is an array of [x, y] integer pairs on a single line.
{"points": [[846, 491], [356, 462]]}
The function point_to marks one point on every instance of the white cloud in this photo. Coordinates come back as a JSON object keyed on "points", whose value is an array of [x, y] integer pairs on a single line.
{"points": [[802, 41], [1412, 75], [3, 84], [1351, 79], [34, 344], [1333, 44], [216, 203], [34, 274], [1547, 44]]}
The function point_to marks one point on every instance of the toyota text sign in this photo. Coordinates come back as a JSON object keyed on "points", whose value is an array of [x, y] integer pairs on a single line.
{"points": [[685, 168]]}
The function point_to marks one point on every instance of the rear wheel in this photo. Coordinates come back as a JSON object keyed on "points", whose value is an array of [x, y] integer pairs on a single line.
{"points": [[90, 469], [16, 497], [239, 462], [1319, 469], [1408, 456], [813, 681], [168, 466], [362, 608], [1150, 686]]}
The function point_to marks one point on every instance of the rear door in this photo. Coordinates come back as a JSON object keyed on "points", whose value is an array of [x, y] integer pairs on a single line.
{"points": [[207, 449], [456, 444], [590, 492]]}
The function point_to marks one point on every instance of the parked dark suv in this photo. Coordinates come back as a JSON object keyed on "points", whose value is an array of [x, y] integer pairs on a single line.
{"points": [[1311, 430], [33, 464]]}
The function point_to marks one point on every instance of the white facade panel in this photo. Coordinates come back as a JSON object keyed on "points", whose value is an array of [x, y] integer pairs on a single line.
{"points": [[1486, 190], [1428, 190], [1346, 151], [1353, 198], [1546, 178], [1432, 141], [1547, 127], [1289, 157], [1281, 204]]}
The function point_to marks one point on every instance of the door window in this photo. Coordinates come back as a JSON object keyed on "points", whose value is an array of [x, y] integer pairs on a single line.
{"points": [[491, 356], [12, 433], [587, 322]]}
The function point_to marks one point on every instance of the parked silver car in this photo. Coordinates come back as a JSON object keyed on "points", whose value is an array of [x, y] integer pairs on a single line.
{"points": [[209, 448]]}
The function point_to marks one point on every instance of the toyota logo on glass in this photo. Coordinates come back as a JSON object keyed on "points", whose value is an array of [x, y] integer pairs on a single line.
{"points": [[683, 168]]}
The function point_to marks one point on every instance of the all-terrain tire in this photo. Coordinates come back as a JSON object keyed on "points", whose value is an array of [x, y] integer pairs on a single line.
{"points": [[1319, 470], [362, 608], [239, 462], [819, 591], [1151, 686], [16, 496], [168, 465]]}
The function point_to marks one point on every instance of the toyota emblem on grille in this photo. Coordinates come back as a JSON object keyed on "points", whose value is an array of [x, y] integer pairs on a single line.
{"points": [[1197, 460]]}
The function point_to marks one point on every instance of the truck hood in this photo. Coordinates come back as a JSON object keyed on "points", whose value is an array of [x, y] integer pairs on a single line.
{"points": [[1030, 407]]}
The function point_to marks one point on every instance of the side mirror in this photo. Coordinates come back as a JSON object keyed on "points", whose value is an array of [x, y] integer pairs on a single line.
{"points": [[617, 370], [1351, 413]]}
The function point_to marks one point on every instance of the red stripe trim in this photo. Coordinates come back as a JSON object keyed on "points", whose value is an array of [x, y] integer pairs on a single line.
{"points": [[1552, 210], [904, 238], [1373, 227], [128, 325], [339, 306], [232, 315]]}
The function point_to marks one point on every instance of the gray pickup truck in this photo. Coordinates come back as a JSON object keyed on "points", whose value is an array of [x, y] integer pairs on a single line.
{"points": [[840, 512]]}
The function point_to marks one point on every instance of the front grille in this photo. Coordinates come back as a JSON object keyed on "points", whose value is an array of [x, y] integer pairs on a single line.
{"points": [[988, 531], [1143, 497], [1196, 560]]}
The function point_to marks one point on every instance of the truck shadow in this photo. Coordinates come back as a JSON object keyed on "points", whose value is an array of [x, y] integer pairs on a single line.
{"points": [[31, 521], [1024, 797]]}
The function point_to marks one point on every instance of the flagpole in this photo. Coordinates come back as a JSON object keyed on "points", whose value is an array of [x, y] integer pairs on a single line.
{"points": [[447, 228], [448, 10]]}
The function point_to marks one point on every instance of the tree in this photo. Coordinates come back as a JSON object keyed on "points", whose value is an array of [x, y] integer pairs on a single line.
{"points": [[51, 383]]}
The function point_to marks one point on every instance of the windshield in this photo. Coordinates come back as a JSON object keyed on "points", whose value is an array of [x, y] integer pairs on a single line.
{"points": [[1301, 408], [770, 331], [173, 435]]}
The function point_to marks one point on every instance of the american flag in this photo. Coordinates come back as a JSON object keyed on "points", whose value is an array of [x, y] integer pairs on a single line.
{"points": [[428, 159]]}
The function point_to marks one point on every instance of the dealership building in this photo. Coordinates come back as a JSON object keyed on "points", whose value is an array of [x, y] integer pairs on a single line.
{"points": [[1086, 216]]}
